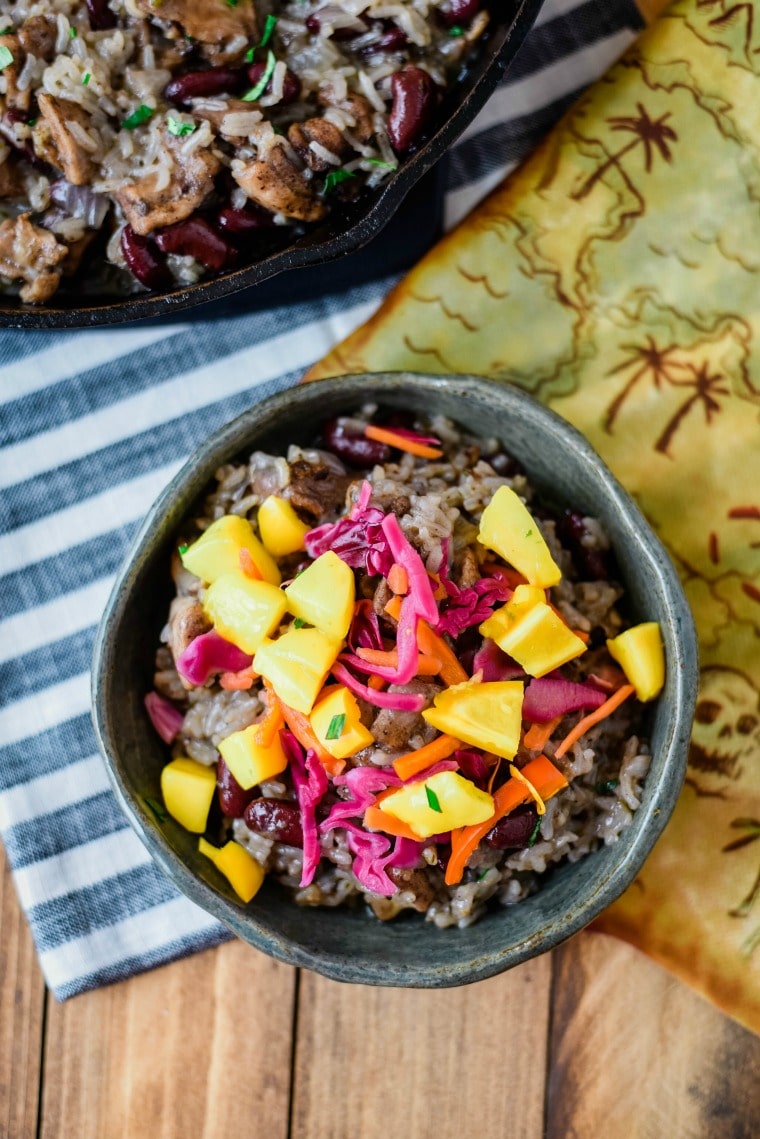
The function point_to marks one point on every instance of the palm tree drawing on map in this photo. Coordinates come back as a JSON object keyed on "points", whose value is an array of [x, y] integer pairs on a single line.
{"points": [[647, 360], [706, 388], [751, 827], [651, 135]]}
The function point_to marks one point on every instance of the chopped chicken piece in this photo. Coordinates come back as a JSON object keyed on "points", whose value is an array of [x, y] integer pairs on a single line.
{"points": [[325, 134], [30, 254], [360, 111], [209, 21], [275, 183], [38, 35], [147, 208], [70, 156]]}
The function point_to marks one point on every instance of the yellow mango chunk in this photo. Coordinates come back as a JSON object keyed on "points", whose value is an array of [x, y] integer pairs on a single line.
{"points": [[188, 790], [508, 527], [282, 531], [242, 610], [488, 716], [349, 734], [296, 665], [240, 868], [323, 595], [532, 634], [440, 803], [640, 654], [217, 551], [249, 762]]}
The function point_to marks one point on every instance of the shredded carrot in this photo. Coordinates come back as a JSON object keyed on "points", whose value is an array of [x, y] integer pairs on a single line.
{"points": [[401, 443], [451, 671], [237, 681], [393, 608], [377, 683], [439, 593], [270, 723], [542, 774], [415, 761], [517, 774], [301, 728], [378, 820], [511, 576], [537, 734], [426, 666], [398, 579], [248, 565], [494, 773], [600, 713]]}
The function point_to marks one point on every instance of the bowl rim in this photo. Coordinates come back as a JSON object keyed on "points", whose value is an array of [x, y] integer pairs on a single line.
{"points": [[679, 636], [305, 251]]}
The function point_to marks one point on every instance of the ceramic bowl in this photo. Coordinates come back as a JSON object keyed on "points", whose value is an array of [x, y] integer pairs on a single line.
{"points": [[341, 233], [345, 944]]}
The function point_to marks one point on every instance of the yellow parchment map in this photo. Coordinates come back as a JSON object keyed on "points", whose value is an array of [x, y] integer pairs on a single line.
{"points": [[616, 276]]}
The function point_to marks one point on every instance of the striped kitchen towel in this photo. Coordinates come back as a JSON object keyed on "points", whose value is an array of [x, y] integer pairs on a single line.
{"points": [[92, 425]]}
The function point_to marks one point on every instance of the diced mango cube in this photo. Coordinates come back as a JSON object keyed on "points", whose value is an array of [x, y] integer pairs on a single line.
{"points": [[640, 654], [323, 595], [296, 665], [243, 610], [339, 709], [508, 527], [532, 633], [217, 551], [188, 789], [488, 716], [438, 804], [282, 531], [249, 762], [240, 868]]}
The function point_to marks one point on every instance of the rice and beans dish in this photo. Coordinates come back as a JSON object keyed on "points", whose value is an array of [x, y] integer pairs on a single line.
{"points": [[393, 675], [147, 143]]}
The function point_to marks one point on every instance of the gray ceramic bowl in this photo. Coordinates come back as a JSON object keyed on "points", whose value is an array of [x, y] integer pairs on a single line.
{"points": [[346, 944]]}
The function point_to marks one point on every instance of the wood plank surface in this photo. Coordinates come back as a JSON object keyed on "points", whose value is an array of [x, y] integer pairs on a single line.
{"points": [[422, 1063], [199, 1049], [22, 1001], [634, 1053]]}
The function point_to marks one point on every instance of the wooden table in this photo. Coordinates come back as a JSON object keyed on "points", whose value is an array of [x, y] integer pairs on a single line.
{"points": [[593, 1041]]}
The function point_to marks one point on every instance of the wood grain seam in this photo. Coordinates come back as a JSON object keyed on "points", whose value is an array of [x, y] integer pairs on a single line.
{"points": [[41, 1086], [293, 1050], [549, 1045]]}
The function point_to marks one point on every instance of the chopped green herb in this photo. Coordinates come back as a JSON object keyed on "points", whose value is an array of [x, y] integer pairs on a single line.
{"points": [[335, 177], [157, 810], [432, 799], [182, 550], [72, 33], [299, 623], [483, 873], [606, 787], [6, 57], [528, 533], [258, 90], [456, 31], [31, 122], [232, 3], [86, 78], [335, 727], [7, 30], [379, 162], [178, 128], [269, 25], [141, 115], [534, 833]]}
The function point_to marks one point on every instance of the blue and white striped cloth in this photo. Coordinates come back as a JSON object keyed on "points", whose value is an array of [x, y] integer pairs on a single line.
{"points": [[92, 425]]}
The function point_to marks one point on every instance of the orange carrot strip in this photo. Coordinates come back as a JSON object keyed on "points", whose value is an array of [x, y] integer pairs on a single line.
{"points": [[415, 761], [398, 579], [377, 683], [511, 576], [537, 734], [600, 713], [378, 820], [401, 443], [248, 565], [393, 608], [544, 776], [270, 723], [299, 725], [429, 642], [426, 666], [237, 681]]}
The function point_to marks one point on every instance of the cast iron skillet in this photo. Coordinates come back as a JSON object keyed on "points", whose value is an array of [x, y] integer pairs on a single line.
{"points": [[341, 233]]}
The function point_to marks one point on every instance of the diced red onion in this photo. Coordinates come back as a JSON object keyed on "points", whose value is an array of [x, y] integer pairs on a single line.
{"points": [[398, 701], [434, 769], [406, 853], [310, 782], [209, 654], [552, 696], [165, 718], [415, 437], [372, 854], [473, 766], [80, 202]]}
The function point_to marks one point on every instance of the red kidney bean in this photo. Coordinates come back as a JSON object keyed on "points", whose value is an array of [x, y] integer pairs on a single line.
{"points": [[291, 86], [352, 447], [392, 39], [595, 564], [194, 237], [514, 830], [143, 260], [233, 799], [314, 24], [101, 16], [239, 222], [275, 818], [413, 104], [204, 84], [459, 12]]}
